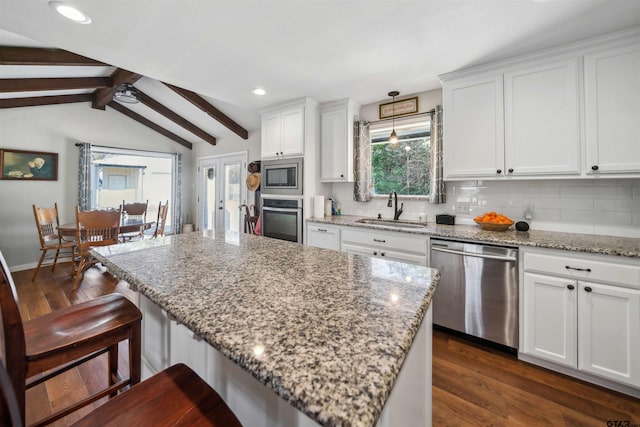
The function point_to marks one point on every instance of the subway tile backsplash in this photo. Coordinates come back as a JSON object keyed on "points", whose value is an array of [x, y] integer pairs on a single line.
{"points": [[592, 206]]}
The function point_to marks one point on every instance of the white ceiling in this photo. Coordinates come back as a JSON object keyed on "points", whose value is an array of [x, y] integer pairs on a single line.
{"points": [[325, 49]]}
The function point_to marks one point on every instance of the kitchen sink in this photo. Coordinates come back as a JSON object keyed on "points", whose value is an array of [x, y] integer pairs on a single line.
{"points": [[392, 223]]}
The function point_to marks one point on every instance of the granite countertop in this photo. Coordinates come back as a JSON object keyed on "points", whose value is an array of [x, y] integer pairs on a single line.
{"points": [[588, 243], [327, 331]]}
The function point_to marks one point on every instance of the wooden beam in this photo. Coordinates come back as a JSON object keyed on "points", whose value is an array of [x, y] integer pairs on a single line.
{"points": [[142, 120], [212, 111], [104, 96], [45, 100], [37, 84], [12, 55], [161, 109]]}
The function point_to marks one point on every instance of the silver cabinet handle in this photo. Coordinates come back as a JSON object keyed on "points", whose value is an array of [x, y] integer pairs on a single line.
{"points": [[451, 251]]}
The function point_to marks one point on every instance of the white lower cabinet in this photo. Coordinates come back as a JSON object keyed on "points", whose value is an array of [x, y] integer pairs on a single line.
{"points": [[394, 246], [187, 348], [571, 320], [155, 337], [322, 236]]}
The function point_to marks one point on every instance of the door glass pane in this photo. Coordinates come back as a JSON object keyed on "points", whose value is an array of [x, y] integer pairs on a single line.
{"points": [[232, 175], [209, 198]]}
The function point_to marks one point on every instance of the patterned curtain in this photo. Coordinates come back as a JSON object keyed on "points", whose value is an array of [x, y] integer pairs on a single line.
{"points": [[177, 191], [362, 162], [84, 176], [437, 182]]}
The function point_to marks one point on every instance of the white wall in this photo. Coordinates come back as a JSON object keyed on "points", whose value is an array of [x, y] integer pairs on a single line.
{"points": [[593, 206], [57, 128]]}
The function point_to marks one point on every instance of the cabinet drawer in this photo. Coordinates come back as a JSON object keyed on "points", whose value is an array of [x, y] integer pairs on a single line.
{"points": [[323, 237], [398, 241], [583, 268]]}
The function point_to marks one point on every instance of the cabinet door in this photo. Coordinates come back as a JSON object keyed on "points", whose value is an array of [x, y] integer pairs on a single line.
{"points": [[155, 336], [542, 119], [474, 128], [293, 131], [188, 349], [323, 237], [271, 143], [609, 332], [403, 257], [612, 91], [550, 318], [358, 250], [334, 147]]}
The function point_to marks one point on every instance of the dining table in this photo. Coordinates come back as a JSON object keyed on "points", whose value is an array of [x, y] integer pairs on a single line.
{"points": [[126, 226]]}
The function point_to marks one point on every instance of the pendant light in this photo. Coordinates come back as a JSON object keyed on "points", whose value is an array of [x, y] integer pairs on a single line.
{"points": [[393, 138]]}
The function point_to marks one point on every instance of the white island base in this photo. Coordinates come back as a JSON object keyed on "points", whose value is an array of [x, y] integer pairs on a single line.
{"points": [[165, 343]]}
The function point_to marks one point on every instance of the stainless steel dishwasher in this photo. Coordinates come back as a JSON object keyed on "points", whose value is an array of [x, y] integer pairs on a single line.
{"points": [[478, 290]]}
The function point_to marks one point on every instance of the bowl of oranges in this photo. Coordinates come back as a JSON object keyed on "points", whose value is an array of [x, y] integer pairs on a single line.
{"points": [[492, 221]]}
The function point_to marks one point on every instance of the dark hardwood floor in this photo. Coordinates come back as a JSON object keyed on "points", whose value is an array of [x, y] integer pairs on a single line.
{"points": [[473, 385]]}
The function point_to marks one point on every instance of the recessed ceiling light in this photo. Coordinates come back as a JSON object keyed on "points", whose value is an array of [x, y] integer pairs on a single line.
{"points": [[70, 12], [258, 91]]}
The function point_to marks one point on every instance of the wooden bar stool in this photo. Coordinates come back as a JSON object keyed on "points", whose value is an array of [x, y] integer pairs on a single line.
{"points": [[39, 349], [174, 397]]}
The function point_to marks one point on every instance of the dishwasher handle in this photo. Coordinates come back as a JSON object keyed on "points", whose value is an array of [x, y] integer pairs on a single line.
{"points": [[463, 253]]}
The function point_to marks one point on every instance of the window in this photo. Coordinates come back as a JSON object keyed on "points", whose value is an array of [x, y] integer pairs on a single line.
{"points": [[405, 166]]}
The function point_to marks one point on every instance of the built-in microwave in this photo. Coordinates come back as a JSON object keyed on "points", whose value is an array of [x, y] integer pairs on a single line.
{"points": [[282, 176]]}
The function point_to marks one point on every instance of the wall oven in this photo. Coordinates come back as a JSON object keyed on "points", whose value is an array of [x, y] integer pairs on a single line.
{"points": [[282, 218], [282, 176]]}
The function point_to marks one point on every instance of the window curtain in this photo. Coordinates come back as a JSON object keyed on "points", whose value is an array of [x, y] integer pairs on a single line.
{"points": [[361, 162], [84, 176], [437, 179], [177, 191]]}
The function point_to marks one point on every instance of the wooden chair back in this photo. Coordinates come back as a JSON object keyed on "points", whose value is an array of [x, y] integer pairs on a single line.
{"points": [[12, 332], [9, 409], [250, 221], [47, 221], [162, 219], [135, 211], [96, 228]]}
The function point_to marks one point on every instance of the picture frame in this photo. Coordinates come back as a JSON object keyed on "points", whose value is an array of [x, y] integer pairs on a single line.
{"points": [[402, 107], [24, 165]]}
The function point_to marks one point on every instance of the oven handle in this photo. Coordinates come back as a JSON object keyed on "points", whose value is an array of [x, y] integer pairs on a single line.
{"points": [[282, 209], [451, 251]]}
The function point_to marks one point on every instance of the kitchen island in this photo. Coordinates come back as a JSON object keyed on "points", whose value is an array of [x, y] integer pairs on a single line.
{"points": [[344, 339]]}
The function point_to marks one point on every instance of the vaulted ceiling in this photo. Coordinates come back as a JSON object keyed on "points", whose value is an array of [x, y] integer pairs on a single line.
{"points": [[324, 49], [97, 90]]}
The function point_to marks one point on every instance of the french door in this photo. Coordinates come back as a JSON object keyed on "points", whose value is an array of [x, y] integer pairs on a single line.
{"points": [[221, 192]]}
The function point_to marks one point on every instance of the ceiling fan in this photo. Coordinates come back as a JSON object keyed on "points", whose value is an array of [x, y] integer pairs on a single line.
{"points": [[126, 93]]}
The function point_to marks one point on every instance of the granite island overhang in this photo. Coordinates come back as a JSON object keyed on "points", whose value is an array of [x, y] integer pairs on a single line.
{"points": [[333, 329]]}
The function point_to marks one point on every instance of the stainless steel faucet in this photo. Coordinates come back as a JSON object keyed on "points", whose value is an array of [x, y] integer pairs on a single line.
{"points": [[393, 202]]}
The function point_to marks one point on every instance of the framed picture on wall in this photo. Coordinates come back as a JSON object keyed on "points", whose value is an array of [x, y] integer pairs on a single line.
{"points": [[398, 108], [28, 165]]}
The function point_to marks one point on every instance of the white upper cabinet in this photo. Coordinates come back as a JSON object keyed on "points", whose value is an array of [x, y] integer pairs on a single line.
{"points": [[473, 127], [283, 133], [612, 110], [336, 141], [568, 112], [542, 119]]}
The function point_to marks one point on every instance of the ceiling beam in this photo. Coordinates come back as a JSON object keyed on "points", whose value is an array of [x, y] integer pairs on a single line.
{"points": [[212, 111], [12, 55], [104, 96], [142, 120], [45, 100], [179, 120], [62, 83]]}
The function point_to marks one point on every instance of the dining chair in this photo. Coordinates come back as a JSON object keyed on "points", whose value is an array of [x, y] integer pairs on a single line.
{"points": [[134, 213], [176, 397], [47, 222], [94, 228], [162, 219], [36, 350]]}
